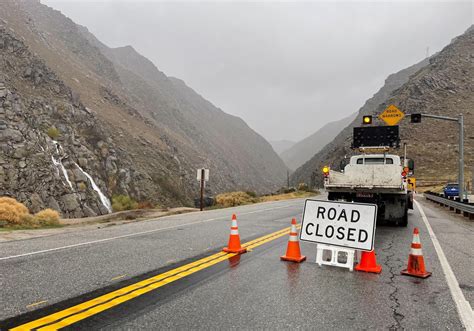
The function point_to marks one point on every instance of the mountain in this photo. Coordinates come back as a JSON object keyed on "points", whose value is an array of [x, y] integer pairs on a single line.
{"points": [[83, 122], [303, 150], [442, 86], [279, 146]]}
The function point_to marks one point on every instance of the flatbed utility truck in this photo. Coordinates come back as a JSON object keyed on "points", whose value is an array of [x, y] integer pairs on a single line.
{"points": [[379, 178]]}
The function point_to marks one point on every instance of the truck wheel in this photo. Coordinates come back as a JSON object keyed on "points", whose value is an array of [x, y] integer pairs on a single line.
{"points": [[404, 221]]}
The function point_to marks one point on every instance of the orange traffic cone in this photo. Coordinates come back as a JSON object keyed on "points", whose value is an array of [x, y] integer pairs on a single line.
{"points": [[234, 239], [293, 252], [368, 263], [416, 263]]}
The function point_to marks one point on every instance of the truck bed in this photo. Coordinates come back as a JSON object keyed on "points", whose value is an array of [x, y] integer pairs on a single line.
{"points": [[376, 178]]}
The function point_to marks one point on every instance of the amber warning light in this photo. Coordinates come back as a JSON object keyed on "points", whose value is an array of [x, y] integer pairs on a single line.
{"points": [[326, 171]]}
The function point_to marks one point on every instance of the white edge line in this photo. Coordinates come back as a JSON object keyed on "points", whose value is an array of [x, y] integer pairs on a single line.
{"points": [[462, 305], [131, 235]]}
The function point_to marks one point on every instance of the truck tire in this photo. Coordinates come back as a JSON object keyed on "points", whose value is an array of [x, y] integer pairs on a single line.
{"points": [[404, 221]]}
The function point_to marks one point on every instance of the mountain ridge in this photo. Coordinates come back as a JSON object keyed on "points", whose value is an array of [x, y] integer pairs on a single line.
{"points": [[151, 140], [439, 87]]}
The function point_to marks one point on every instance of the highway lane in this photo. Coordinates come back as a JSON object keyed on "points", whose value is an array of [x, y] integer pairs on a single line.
{"points": [[49, 269], [259, 291], [262, 292]]}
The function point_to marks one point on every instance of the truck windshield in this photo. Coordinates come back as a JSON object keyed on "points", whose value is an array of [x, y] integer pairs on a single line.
{"points": [[375, 160]]}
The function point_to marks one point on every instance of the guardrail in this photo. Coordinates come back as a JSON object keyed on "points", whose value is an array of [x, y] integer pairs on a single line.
{"points": [[467, 209]]}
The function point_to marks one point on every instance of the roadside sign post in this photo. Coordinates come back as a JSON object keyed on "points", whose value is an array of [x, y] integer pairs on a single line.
{"points": [[202, 177], [337, 223]]}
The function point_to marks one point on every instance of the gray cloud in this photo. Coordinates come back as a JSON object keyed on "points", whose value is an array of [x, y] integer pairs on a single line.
{"points": [[286, 68]]}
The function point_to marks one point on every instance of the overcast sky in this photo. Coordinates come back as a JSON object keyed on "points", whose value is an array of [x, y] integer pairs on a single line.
{"points": [[286, 68]]}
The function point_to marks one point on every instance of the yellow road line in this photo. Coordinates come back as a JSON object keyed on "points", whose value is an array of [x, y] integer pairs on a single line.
{"points": [[92, 307], [118, 277], [36, 304]]}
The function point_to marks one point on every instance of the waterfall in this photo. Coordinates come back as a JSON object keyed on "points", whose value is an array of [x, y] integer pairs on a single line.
{"points": [[61, 166], [58, 163], [105, 201]]}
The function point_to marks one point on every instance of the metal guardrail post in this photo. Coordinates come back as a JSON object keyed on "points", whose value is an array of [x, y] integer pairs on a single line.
{"points": [[466, 209]]}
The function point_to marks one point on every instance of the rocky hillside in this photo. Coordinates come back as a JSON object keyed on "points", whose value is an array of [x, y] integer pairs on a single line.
{"points": [[303, 150], [81, 122], [443, 87]]}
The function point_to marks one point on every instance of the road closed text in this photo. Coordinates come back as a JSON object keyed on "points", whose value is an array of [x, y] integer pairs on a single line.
{"points": [[339, 223]]}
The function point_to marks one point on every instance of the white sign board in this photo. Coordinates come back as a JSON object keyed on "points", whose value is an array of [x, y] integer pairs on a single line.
{"points": [[337, 223], [206, 174]]}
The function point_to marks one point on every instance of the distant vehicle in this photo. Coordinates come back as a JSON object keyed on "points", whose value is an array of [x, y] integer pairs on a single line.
{"points": [[451, 190], [374, 178]]}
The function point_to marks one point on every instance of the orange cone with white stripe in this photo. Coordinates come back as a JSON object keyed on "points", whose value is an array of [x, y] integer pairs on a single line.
{"points": [[293, 252], [234, 239], [416, 263]]}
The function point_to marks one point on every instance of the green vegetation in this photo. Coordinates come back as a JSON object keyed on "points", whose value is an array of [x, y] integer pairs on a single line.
{"points": [[53, 133], [82, 186], [123, 202], [15, 215]]}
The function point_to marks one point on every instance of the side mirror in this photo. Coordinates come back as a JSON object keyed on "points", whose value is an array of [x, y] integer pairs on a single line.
{"points": [[342, 164]]}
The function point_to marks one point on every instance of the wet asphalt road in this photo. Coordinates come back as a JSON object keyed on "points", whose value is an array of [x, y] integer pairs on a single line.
{"points": [[255, 291]]}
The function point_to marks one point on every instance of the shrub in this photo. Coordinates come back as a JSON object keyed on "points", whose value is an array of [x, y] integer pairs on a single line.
{"points": [[47, 217], [53, 133], [303, 187], [145, 205], [123, 202], [28, 221], [232, 199], [12, 212], [82, 186], [251, 193]]}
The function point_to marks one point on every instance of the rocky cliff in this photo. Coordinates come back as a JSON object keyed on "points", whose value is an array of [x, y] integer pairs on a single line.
{"points": [[81, 122], [441, 86]]}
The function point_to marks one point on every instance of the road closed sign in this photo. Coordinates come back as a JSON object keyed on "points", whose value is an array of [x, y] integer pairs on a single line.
{"points": [[346, 224]]}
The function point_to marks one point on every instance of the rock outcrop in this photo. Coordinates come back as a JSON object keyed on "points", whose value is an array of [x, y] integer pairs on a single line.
{"points": [[80, 122]]}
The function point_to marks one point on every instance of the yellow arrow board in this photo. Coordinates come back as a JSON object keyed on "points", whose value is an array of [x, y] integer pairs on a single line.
{"points": [[392, 115]]}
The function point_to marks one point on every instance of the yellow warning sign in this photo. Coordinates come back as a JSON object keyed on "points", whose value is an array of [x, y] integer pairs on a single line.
{"points": [[392, 115]]}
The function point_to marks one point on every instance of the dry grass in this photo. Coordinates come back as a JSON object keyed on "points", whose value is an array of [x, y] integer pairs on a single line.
{"points": [[232, 199], [47, 217], [14, 214], [287, 196]]}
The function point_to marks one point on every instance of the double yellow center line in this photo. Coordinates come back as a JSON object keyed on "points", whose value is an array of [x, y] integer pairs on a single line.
{"points": [[92, 307]]}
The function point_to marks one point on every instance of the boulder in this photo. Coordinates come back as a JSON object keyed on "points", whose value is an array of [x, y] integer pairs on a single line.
{"points": [[70, 202], [36, 204]]}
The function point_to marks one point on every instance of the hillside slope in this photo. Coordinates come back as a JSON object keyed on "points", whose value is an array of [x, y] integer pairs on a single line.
{"points": [[442, 87], [145, 133], [302, 151]]}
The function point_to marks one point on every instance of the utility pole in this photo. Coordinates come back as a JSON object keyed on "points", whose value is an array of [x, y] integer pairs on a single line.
{"points": [[461, 157], [460, 121], [202, 188], [288, 178]]}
